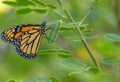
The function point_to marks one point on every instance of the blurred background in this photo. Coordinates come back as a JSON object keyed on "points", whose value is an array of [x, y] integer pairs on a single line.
{"points": [[102, 31]]}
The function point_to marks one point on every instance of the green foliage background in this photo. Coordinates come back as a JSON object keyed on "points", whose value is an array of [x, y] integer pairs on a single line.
{"points": [[65, 59]]}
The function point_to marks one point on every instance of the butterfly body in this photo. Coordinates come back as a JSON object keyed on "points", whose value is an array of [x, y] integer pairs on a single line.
{"points": [[26, 38]]}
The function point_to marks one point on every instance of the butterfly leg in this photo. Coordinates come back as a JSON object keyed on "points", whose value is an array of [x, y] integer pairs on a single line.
{"points": [[48, 37], [49, 28]]}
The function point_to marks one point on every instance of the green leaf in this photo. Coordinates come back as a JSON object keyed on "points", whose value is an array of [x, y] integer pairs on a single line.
{"points": [[53, 21], [39, 3], [80, 75], [74, 24], [86, 30], [11, 80], [64, 56], [75, 74], [77, 24], [112, 37], [93, 70], [40, 10], [65, 51], [90, 36], [18, 3], [43, 79], [70, 26], [65, 28], [11, 3], [53, 33], [23, 11], [76, 63], [52, 51], [47, 51], [57, 12], [51, 6], [86, 36], [27, 2], [54, 79], [109, 61]]}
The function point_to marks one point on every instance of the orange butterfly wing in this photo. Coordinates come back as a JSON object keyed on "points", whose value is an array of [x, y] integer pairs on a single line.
{"points": [[26, 38], [29, 43], [11, 35]]}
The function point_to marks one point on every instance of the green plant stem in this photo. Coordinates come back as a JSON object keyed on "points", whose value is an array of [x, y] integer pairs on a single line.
{"points": [[117, 13], [81, 36]]}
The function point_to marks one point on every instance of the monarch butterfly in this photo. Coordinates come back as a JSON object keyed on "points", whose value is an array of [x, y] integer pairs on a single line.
{"points": [[26, 38]]}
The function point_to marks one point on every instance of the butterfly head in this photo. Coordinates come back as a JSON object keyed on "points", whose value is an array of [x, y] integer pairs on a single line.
{"points": [[43, 25]]}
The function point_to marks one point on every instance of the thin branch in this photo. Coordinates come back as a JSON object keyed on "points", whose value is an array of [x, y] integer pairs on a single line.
{"points": [[117, 12], [81, 36]]}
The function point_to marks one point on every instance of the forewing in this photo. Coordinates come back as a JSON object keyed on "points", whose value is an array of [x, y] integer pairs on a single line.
{"points": [[11, 35]]}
